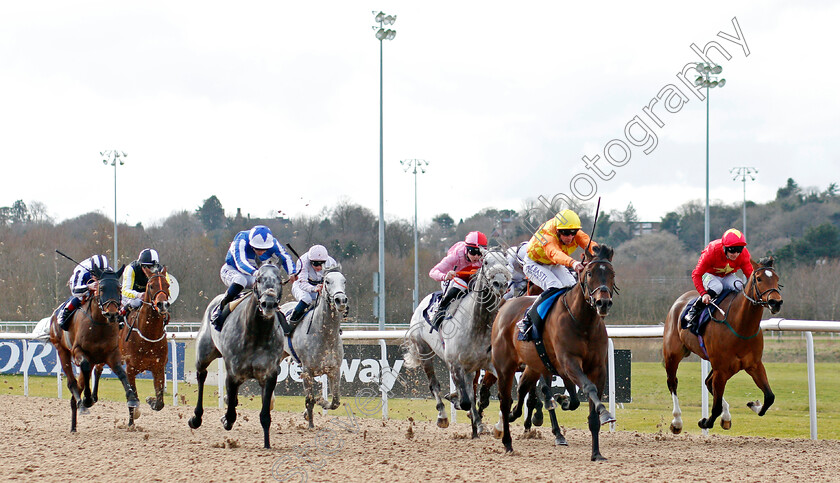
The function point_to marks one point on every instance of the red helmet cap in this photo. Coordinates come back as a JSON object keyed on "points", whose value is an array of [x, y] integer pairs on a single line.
{"points": [[734, 238], [476, 239]]}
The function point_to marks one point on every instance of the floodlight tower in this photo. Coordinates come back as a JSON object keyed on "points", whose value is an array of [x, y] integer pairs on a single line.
{"points": [[114, 157], [413, 165]]}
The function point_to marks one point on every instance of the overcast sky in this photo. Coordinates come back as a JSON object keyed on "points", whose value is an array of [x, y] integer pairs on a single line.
{"points": [[274, 106]]}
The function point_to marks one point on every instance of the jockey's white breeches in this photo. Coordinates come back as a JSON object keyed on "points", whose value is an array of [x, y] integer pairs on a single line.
{"points": [[302, 295], [717, 284], [231, 276], [456, 282], [548, 276]]}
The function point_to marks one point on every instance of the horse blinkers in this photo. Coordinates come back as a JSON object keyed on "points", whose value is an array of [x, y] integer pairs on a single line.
{"points": [[109, 293]]}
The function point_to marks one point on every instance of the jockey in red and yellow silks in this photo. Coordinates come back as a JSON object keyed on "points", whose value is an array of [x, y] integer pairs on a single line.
{"points": [[717, 267]]}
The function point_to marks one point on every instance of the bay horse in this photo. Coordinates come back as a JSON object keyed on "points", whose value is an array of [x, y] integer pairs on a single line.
{"points": [[575, 339], [92, 338], [463, 340], [316, 342], [251, 344], [731, 345], [143, 342]]}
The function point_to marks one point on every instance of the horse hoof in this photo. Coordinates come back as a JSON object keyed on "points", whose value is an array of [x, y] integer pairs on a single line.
{"points": [[597, 457], [225, 424], [133, 403], [703, 424], [194, 422], [508, 449], [537, 419], [83, 410], [443, 423], [755, 406], [560, 441], [607, 418], [676, 430], [135, 412], [88, 402], [725, 424], [497, 434]]}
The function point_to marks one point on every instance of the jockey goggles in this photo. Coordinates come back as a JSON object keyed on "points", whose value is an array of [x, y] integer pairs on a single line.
{"points": [[567, 232], [734, 249], [474, 250], [316, 263]]}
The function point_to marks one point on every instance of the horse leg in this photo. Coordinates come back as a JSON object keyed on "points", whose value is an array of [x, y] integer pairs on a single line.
{"points": [[75, 396], [484, 395], [434, 386], [534, 405], [505, 399], [200, 375], [83, 381], [672, 362], [559, 439], [725, 416], [716, 384], [232, 388], [334, 382], [467, 402], [130, 393], [265, 412], [97, 376], [526, 382], [308, 389], [759, 376], [159, 376], [571, 401], [593, 392]]}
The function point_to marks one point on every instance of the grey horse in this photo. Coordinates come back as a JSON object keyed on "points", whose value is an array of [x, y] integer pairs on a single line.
{"points": [[316, 342], [251, 344], [463, 340]]}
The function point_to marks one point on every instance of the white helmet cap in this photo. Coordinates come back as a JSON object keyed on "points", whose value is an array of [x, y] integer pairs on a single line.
{"points": [[260, 237], [318, 253]]}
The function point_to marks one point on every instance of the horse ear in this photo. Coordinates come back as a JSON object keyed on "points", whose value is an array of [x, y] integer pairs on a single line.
{"points": [[96, 271], [754, 264], [120, 271], [163, 270]]}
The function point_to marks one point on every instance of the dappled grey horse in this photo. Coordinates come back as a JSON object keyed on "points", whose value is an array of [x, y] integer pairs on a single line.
{"points": [[316, 342], [251, 344], [463, 340]]}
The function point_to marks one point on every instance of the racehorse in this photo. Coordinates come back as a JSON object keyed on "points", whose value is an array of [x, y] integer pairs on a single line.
{"points": [[316, 342], [463, 339], [92, 339], [143, 342], [575, 339], [251, 344], [732, 344]]}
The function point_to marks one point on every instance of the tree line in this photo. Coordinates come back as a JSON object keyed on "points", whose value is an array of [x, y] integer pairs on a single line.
{"points": [[801, 227]]}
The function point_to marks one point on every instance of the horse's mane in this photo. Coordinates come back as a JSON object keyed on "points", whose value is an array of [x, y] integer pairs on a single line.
{"points": [[603, 252]]}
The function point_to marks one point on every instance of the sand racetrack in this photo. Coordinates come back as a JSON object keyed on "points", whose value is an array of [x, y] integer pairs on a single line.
{"points": [[40, 447]]}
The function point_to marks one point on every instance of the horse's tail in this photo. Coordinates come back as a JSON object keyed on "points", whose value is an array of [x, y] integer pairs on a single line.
{"points": [[411, 355]]}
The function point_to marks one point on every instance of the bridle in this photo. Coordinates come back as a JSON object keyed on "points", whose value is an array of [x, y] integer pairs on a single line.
{"points": [[589, 295], [271, 291], [332, 295], [758, 297], [158, 292]]}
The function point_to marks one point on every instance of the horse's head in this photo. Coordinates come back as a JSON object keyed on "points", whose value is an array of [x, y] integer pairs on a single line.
{"points": [[334, 288], [598, 279], [493, 273], [157, 291], [109, 291], [763, 286], [268, 288]]}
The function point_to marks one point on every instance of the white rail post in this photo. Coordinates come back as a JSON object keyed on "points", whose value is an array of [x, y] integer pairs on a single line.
{"points": [[611, 359], [25, 369], [452, 410], [325, 391], [812, 384], [704, 394], [384, 355], [221, 378], [174, 346]]}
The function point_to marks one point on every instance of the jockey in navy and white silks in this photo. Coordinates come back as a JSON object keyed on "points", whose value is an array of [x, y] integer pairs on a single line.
{"points": [[518, 281], [240, 265], [136, 276], [462, 256], [310, 277], [82, 285]]}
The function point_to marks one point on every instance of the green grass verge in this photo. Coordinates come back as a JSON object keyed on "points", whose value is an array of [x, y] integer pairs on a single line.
{"points": [[649, 412]]}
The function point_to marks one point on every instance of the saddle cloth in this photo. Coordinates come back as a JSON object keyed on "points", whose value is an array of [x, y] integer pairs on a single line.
{"points": [[428, 313], [700, 321]]}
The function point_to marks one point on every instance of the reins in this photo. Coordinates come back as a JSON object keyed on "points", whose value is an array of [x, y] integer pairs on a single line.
{"points": [[758, 300]]}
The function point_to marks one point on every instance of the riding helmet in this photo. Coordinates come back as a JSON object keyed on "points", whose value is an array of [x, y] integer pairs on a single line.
{"points": [[476, 239], [149, 257], [318, 253], [569, 220], [734, 238], [260, 237]]}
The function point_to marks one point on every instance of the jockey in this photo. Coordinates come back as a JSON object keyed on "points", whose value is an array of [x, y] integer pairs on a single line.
{"points": [[240, 264], [310, 280], [135, 278], [518, 282], [716, 269], [465, 255], [83, 285], [548, 262]]}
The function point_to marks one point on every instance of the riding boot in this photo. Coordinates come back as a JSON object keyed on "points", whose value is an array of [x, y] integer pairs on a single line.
{"points": [[532, 316], [444, 304], [696, 308], [294, 320], [67, 312], [220, 313]]}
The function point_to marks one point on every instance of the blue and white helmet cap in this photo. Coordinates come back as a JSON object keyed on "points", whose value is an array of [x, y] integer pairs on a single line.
{"points": [[149, 257], [99, 261], [260, 237]]}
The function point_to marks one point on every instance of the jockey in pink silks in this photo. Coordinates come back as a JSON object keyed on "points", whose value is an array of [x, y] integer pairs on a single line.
{"points": [[462, 256]]}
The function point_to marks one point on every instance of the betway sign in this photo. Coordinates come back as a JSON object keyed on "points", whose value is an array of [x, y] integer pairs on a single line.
{"points": [[363, 367]]}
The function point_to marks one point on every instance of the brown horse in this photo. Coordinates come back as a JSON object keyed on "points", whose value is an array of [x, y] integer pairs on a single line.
{"points": [[143, 342], [92, 339], [575, 339], [732, 344]]}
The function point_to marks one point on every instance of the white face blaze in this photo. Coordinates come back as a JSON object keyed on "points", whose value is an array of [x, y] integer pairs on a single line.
{"points": [[768, 273]]}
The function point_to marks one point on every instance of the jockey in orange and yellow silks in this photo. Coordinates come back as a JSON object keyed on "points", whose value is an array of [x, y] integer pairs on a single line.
{"points": [[548, 262]]}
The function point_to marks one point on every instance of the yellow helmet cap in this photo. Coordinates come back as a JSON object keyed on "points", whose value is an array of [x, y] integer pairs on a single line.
{"points": [[568, 220]]}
